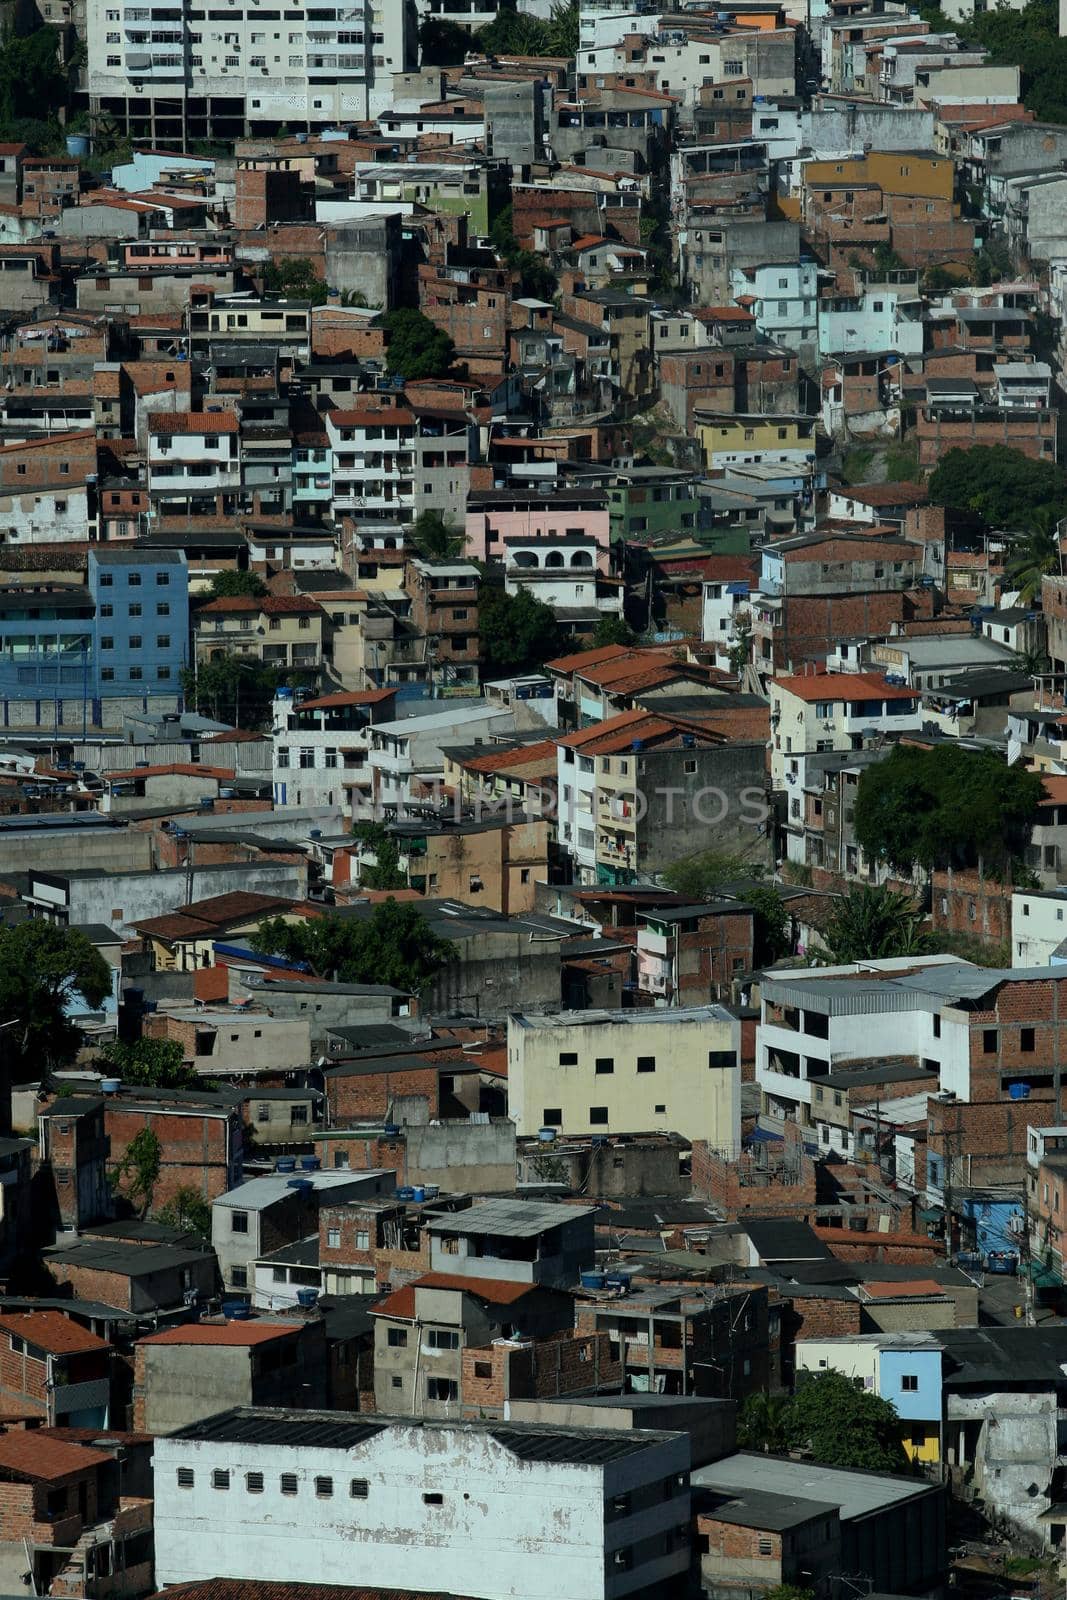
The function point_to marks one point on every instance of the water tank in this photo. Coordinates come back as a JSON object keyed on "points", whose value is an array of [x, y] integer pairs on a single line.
{"points": [[285, 1164], [235, 1310], [316, 833], [310, 1163], [592, 1280], [283, 693], [406, 1192], [418, 1194], [391, 1130], [617, 1280], [546, 1135], [637, 744], [306, 1298], [303, 1186], [78, 145], [431, 1190], [110, 1085], [1018, 1091], [207, 802]]}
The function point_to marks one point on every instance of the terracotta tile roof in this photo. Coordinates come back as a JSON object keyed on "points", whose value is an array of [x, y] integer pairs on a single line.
{"points": [[1055, 789], [887, 494], [180, 769], [617, 733], [816, 686], [230, 1333], [386, 416], [194, 422], [526, 755], [401, 1304], [272, 605], [357, 697], [34, 1455], [51, 1331], [588, 658]]}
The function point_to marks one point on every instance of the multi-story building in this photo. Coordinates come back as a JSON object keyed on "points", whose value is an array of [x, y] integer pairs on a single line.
{"points": [[627, 1072], [175, 76], [275, 630], [480, 1508], [141, 624], [820, 711], [373, 453], [194, 464], [321, 748], [444, 610]]}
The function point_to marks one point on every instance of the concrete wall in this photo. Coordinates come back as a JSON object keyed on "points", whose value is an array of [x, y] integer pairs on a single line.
{"points": [[462, 1156], [120, 899], [107, 849]]}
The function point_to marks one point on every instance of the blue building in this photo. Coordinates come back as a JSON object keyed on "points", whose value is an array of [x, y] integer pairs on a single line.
{"points": [[68, 649], [141, 621]]}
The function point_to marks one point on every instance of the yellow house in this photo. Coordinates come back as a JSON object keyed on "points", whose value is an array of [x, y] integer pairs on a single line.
{"points": [[276, 630], [588, 1072], [894, 172], [739, 440]]}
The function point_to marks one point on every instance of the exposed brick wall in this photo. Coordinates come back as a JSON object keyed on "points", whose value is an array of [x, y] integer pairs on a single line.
{"points": [[571, 1364], [368, 1096], [908, 1249], [967, 902]]}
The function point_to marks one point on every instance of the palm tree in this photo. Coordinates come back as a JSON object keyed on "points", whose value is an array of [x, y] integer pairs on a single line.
{"points": [[435, 539], [869, 922], [762, 1423], [1034, 552]]}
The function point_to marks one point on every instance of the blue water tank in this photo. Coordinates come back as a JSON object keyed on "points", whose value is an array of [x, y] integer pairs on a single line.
{"points": [[405, 1193], [617, 1280], [236, 1310], [1018, 1091], [310, 1163], [592, 1280], [546, 1135], [391, 1130], [306, 1297], [303, 1185], [285, 1164], [77, 145], [418, 1194]]}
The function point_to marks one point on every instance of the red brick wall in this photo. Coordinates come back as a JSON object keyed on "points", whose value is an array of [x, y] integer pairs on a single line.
{"points": [[194, 1149], [966, 902], [571, 1364], [369, 1095]]}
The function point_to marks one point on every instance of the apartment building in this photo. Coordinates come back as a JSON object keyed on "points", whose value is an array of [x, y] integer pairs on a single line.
{"points": [[627, 1072], [473, 1508], [322, 747], [194, 464], [179, 75], [276, 630], [815, 712]]}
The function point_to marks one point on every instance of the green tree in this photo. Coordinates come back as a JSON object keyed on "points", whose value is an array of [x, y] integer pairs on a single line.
{"points": [[295, 279], [136, 1175], [563, 29], [394, 945], [946, 806], [42, 968], [842, 1426], [231, 585], [150, 1064], [872, 921], [514, 34], [188, 1211], [443, 43], [233, 689], [1033, 553], [386, 874], [518, 632], [612, 630], [1005, 487], [435, 539], [415, 348], [761, 1423], [705, 875], [33, 83]]}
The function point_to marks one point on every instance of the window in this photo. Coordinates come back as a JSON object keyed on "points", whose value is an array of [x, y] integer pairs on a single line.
{"points": [[307, 757], [107, 642], [136, 673], [134, 610], [239, 1277], [324, 1488], [358, 1489], [909, 1382], [604, 1065], [598, 1116], [433, 1499], [238, 1221], [442, 1339], [1026, 1039], [185, 1477], [765, 1547], [989, 1041], [397, 1338], [937, 1027], [134, 580], [162, 608], [106, 580], [721, 1058], [568, 1058], [552, 1117], [288, 1483], [220, 1478], [646, 1063], [333, 1238], [135, 641]]}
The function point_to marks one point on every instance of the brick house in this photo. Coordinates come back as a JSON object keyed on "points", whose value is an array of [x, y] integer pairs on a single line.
{"points": [[141, 1278], [54, 1368], [683, 1342]]}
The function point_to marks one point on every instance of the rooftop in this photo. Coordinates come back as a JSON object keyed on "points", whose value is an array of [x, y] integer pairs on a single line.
{"points": [[520, 1219], [856, 1494]]}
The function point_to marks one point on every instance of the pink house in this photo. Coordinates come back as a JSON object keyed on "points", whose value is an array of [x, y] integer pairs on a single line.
{"points": [[497, 517]]}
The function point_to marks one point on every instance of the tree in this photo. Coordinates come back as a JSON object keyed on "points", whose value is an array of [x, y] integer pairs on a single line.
{"points": [[233, 585], [946, 806], [703, 876], [435, 539], [518, 632], [394, 945], [33, 82], [150, 1063], [295, 279], [536, 278], [612, 630], [415, 348], [870, 922], [443, 43], [514, 34], [1002, 485], [1033, 553], [761, 1423], [842, 1426], [136, 1175], [233, 689], [187, 1211], [386, 874], [42, 968]]}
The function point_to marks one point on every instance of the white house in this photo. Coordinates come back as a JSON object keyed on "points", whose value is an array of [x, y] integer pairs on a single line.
{"points": [[783, 298], [405, 756], [524, 1510], [819, 711]]}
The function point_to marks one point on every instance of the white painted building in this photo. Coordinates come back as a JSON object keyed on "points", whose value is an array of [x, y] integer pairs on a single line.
{"points": [[405, 756], [1038, 926], [187, 74], [526, 1511], [321, 751], [785, 300], [819, 711]]}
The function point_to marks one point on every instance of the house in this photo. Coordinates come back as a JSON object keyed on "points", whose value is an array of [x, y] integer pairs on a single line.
{"points": [[513, 1241], [264, 1214], [141, 1278], [181, 1372], [821, 711], [54, 1369], [588, 1511], [660, 1070]]}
